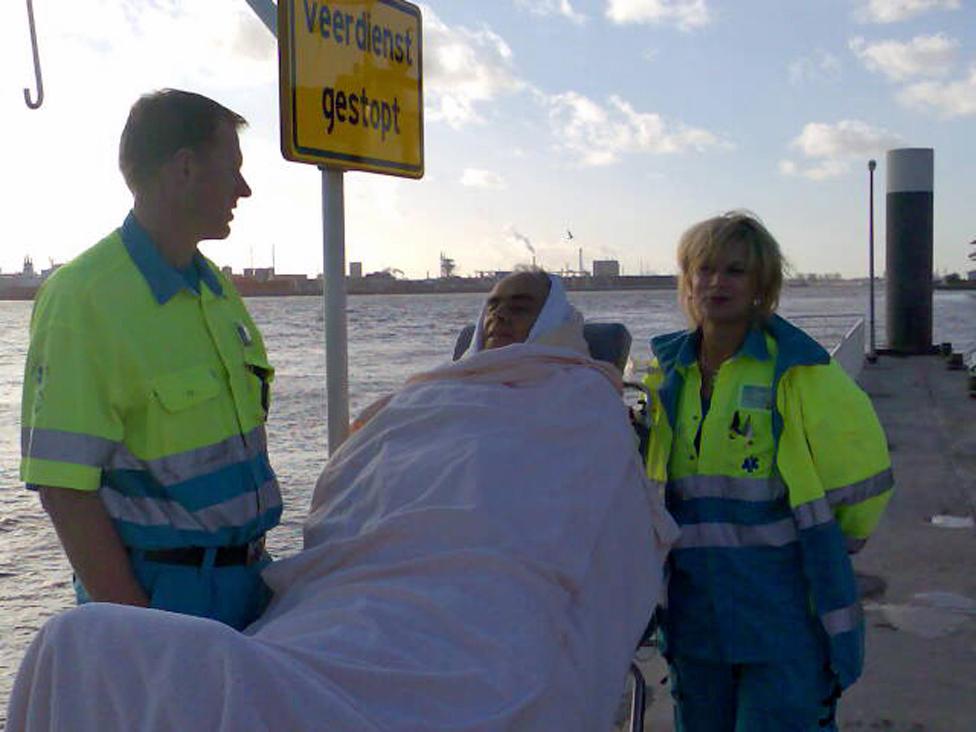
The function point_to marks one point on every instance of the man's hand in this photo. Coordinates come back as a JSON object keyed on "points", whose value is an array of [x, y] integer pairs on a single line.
{"points": [[92, 545]]}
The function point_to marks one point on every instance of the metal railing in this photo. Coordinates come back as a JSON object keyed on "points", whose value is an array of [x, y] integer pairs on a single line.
{"points": [[846, 346], [849, 353]]}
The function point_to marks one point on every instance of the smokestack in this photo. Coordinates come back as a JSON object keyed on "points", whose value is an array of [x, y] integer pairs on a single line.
{"points": [[525, 240]]}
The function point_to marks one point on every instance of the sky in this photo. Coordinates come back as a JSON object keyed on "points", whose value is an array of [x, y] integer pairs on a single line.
{"points": [[618, 122]]}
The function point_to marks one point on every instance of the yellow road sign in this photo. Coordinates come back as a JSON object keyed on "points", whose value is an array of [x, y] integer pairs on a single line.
{"points": [[351, 87]]}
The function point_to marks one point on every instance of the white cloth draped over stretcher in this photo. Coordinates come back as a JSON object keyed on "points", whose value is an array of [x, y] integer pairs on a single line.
{"points": [[482, 555]]}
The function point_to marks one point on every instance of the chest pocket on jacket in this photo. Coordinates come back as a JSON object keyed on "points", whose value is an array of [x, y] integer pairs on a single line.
{"points": [[182, 413], [180, 390]]}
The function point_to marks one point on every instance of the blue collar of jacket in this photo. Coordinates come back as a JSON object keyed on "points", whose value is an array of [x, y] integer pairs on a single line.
{"points": [[680, 349], [163, 279], [676, 351]]}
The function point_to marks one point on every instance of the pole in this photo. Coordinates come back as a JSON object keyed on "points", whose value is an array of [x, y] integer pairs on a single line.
{"points": [[267, 12], [334, 297], [872, 351], [333, 278]]}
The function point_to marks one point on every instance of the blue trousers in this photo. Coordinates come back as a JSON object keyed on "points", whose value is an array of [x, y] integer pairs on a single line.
{"points": [[790, 696], [235, 595]]}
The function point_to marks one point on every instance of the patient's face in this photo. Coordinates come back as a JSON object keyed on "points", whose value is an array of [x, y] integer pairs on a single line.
{"points": [[513, 305]]}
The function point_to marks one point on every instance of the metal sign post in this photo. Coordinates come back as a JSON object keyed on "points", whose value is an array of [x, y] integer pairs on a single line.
{"points": [[333, 279], [334, 297], [267, 13], [872, 351], [351, 98]]}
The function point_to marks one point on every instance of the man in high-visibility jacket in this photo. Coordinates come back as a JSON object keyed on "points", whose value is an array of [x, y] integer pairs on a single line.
{"points": [[146, 387]]}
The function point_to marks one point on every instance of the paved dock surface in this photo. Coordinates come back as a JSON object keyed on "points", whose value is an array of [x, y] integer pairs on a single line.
{"points": [[919, 576]]}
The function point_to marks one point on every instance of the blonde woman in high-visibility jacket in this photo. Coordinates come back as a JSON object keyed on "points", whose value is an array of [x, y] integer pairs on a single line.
{"points": [[776, 469]]}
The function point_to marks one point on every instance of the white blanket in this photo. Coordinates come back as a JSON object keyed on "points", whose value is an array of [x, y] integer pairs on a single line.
{"points": [[482, 555]]}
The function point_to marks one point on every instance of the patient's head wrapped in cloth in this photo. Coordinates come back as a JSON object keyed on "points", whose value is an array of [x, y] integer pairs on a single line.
{"points": [[529, 307], [483, 554]]}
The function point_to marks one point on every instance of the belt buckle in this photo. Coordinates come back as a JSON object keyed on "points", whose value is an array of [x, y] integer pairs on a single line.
{"points": [[255, 551]]}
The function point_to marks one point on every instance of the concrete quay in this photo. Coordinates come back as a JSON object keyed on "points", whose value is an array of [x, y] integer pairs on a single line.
{"points": [[918, 571]]}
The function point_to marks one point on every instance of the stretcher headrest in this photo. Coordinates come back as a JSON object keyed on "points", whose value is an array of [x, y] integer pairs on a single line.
{"points": [[608, 342]]}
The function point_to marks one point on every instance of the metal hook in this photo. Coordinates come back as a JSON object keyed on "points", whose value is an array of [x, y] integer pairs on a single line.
{"points": [[37, 62]]}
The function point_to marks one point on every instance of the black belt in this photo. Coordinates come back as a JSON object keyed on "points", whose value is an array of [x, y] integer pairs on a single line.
{"points": [[226, 556]]}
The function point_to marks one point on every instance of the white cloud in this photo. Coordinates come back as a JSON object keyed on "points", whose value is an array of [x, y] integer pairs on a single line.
{"points": [[600, 133], [817, 171], [553, 7], [893, 11], [686, 14], [821, 66], [846, 138], [830, 149], [950, 99], [98, 57], [463, 69], [486, 179], [216, 34], [922, 56]]}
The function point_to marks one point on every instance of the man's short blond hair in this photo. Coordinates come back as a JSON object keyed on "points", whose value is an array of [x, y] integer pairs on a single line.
{"points": [[702, 243]]}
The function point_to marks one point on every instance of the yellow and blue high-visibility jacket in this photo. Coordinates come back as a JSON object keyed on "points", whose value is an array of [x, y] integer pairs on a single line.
{"points": [[152, 388], [785, 475]]}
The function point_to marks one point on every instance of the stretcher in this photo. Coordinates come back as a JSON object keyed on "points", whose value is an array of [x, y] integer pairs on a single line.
{"points": [[608, 342]]}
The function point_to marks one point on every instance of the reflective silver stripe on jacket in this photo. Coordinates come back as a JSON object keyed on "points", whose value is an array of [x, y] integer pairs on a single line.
{"points": [[862, 490], [814, 513], [183, 466], [234, 512], [724, 486], [708, 535], [843, 620], [98, 452], [66, 447]]}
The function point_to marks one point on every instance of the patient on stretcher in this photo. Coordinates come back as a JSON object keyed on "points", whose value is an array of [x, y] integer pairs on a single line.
{"points": [[482, 554]]}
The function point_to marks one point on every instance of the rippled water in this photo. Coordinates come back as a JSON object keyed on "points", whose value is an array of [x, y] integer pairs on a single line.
{"points": [[390, 338]]}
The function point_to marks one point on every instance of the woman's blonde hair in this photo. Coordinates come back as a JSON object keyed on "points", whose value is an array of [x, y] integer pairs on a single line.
{"points": [[702, 243]]}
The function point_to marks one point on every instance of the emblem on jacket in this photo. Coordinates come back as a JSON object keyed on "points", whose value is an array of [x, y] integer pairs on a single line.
{"points": [[750, 464]]}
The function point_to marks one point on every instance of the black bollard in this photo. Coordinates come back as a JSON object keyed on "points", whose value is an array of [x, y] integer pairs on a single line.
{"points": [[908, 280]]}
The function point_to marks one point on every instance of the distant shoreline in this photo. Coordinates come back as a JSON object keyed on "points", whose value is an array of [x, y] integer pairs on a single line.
{"points": [[961, 285], [294, 286]]}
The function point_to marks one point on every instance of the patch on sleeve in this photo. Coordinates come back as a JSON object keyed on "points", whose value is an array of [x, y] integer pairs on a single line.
{"points": [[756, 397], [38, 374]]}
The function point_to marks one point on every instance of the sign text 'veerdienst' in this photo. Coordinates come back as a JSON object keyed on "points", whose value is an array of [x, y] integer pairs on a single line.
{"points": [[351, 84]]}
